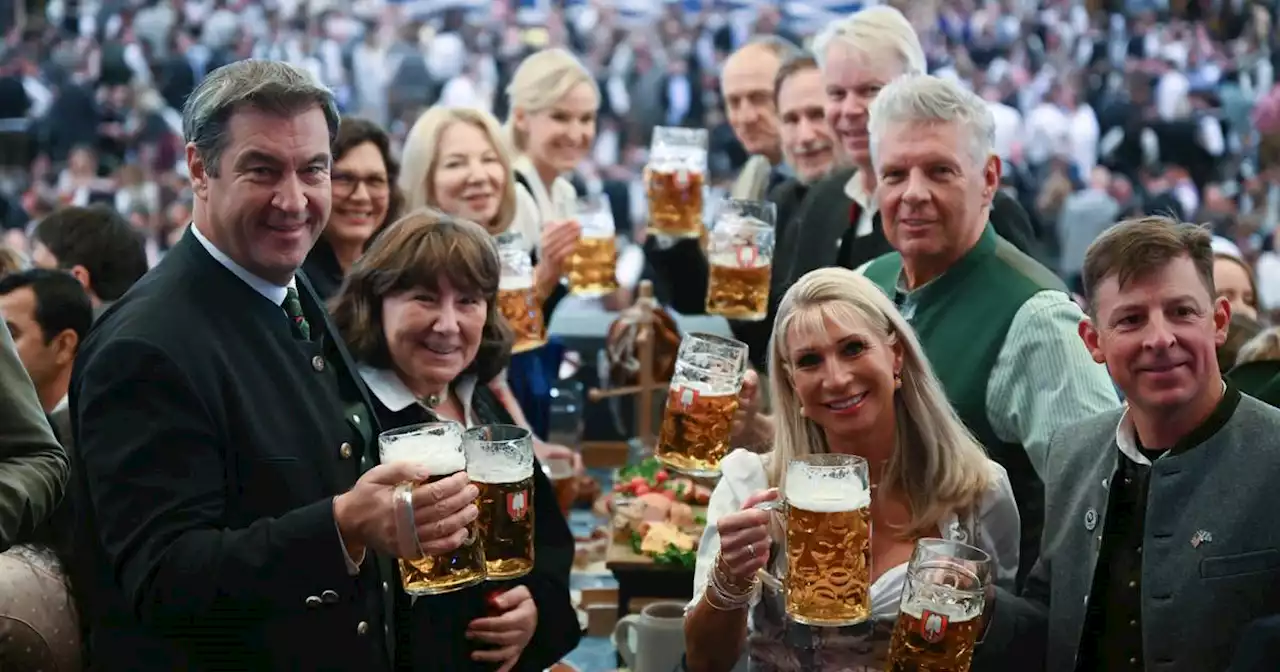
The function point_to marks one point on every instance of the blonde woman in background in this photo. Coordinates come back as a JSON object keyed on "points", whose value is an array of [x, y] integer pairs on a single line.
{"points": [[848, 376], [454, 160], [552, 128], [1257, 367]]}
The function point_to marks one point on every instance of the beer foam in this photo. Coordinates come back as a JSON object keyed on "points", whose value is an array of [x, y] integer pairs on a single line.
{"points": [[496, 471], [706, 389], [512, 283], [439, 455], [730, 259], [835, 497]]}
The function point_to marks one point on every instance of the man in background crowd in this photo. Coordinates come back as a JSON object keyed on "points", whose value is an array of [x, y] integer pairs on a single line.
{"points": [[97, 246], [48, 314]]}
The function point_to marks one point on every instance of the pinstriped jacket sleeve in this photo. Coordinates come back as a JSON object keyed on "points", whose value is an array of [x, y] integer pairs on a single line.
{"points": [[33, 466], [1044, 378]]}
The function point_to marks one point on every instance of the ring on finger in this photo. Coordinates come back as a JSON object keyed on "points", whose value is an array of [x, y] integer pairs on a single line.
{"points": [[751, 548]]}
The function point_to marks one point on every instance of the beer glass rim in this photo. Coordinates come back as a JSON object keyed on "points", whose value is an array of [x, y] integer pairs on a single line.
{"points": [[770, 210], [830, 460], [940, 549], [445, 425], [497, 433], [676, 134], [715, 339]]}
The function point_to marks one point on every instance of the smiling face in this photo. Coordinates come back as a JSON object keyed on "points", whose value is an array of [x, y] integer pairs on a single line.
{"points": [[561, 135], [852, 81], [842, 371], [468, 178], [361, 193], [807, 141], [1158, 336], [433, 334], [271, 196], [933, 195]]}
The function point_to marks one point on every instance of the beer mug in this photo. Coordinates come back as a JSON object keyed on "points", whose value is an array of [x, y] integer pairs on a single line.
{"points": [[701, 401], [941, 609], [740, 253], [517, 297], [559, 471], [674, 179], [826, 516], [437, 447], [592, 268], [500, 464]]}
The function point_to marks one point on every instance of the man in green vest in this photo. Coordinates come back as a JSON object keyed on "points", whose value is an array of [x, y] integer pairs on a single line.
{"points": [[999, 328]]}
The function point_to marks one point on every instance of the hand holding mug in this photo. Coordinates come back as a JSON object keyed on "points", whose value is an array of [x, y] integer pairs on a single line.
{"points": [[744, 539]]}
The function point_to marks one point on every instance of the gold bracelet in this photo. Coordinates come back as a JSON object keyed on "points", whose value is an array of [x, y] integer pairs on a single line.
{"points": [[726, 581]]}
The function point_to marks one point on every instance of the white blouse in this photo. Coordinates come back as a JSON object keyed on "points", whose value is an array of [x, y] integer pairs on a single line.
{"points": [[538, 203], [775, 643]]}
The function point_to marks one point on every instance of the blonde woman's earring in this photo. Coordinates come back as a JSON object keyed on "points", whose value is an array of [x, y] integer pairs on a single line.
{"points": [[897, 380]]}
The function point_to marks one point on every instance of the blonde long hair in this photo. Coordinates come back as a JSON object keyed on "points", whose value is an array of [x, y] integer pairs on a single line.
{"points": [[542, 79], [937, 463], [422, 152]]}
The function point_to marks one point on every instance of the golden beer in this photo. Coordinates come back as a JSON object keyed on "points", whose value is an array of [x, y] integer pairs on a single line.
{"points": [[518, 303], [432, 575], [591, 268], [438, 448], [739, 287], [933, 638], [506, 524], [828, 579], [675, 202], [696, 427]]}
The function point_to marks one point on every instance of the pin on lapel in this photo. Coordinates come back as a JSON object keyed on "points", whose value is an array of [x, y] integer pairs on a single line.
{"points": [[1090, 519], [1201, 537]]}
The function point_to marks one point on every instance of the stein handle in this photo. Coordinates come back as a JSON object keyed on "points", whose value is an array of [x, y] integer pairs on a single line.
{"points": [[408, 546], [622, 639], [776, 508]]}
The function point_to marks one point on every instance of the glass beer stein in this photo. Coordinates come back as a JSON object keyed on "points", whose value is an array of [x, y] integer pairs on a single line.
{"points": [[701, 401], [826, 515], [500, 464], [592, 267], [740, 253], [941, 609], [675, 178], [436, 446], [518, 297]]}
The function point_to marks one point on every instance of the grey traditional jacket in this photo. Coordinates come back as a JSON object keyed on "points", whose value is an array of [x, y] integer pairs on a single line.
{"points": [[1210, 552]]}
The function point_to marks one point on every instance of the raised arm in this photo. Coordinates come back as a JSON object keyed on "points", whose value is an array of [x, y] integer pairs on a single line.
{"points": [[33, 466]]}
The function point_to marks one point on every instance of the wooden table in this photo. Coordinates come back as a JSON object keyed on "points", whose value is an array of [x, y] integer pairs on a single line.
{"points": [[639, 576]]}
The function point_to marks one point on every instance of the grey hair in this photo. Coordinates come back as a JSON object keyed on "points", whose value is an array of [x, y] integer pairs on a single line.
{"points": [[925, 99], [270, 86], [875, 30]]}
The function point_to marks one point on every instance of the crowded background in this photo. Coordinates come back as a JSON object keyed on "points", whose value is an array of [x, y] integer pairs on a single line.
{"points": [[1104, 111]]}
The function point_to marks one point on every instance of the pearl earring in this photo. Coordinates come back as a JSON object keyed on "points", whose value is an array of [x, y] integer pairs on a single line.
{"points": [[897, 379]]}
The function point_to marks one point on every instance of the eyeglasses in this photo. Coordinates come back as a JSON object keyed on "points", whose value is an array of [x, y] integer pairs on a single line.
{"points": [[346, 184]]}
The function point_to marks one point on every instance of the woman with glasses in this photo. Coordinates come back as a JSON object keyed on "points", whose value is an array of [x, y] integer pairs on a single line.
{"points": [[365, 199]]}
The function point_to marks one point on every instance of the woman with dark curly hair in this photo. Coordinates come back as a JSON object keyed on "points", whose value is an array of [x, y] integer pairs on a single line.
{"points": [[365, 200]]}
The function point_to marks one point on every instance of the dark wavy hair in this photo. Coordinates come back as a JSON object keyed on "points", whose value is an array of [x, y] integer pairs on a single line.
{"points": [[415, 252], [353, 132]]}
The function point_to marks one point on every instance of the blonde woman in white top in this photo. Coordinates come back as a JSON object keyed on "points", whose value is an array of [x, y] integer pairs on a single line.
{"points": [[848, 376], [551, 127]]}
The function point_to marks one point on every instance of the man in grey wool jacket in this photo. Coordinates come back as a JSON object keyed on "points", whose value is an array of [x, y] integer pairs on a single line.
{"points": [[1161, 543]]}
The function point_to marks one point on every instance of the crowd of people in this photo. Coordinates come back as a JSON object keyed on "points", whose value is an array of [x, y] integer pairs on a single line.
{"points": [[1025, 268]]}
